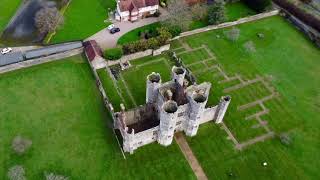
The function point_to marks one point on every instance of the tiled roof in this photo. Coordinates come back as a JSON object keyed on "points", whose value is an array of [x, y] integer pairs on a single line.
{"points": [[133, 5]]}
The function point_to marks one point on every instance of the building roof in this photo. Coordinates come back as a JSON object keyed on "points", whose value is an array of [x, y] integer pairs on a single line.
{"points": [[11, 58], [134, 5], [92, 49]]}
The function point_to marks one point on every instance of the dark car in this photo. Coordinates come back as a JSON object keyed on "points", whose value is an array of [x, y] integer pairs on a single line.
{"points": [[114, 30]]}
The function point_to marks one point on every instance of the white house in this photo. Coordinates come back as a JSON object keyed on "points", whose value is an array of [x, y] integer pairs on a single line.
{"points": [[132, 10]]}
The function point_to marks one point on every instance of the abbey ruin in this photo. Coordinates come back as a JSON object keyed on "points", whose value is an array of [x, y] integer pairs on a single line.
{"points": [[170, 107]]}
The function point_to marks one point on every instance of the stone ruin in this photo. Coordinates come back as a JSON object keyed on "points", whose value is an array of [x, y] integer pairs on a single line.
{"points": [[170, 107]]}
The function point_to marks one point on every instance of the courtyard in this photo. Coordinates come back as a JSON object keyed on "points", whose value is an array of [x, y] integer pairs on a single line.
{"points": [[273, 89]]}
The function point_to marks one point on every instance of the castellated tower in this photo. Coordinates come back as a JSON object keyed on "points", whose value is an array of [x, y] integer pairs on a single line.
{"points": [[168, 116], [222, 108], [178, 74], [197, 102], [153, 83]]}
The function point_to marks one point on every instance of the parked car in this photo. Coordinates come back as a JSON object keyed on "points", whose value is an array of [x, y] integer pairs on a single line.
{"points": [[114, 30], [6, 50], [111, 26]]}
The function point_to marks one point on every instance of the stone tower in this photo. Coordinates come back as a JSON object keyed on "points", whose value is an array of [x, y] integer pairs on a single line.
{"points": [[222, 108], [197, 102], [178, 74], [168, 116], [153, 83]]}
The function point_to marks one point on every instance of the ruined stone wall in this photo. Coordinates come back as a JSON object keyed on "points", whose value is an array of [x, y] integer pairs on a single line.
{"points": [[140, 54], [146, 137], [157, 52], [208, 114]]}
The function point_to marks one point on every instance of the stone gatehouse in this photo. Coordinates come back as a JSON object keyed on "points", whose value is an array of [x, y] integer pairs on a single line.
{"points": [[170, 107]]}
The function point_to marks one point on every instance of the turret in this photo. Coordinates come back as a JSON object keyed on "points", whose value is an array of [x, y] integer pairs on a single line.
{"points": [[197, 101], [153, 83], [222, 108], [168, 116], [178, 74]]}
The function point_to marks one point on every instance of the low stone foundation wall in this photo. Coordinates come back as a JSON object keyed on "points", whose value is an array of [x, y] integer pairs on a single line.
{"points": [[141, 54], [32, 62]]}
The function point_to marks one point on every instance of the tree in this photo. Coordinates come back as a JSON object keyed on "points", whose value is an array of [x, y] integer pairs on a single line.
{"points": [[258, 5], [233, 34], [164, 35], [178, 15], [216, 13], [48, 19], [199, 11]]}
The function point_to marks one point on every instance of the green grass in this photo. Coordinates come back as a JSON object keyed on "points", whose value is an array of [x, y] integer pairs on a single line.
{"points": [[134, 35], [292, 61], [57, 106], [7, 10], [237, 10], [134, 81], [82, 19]]}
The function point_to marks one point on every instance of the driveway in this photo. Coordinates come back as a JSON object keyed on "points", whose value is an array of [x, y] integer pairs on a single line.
{"points": [[106, 40]]}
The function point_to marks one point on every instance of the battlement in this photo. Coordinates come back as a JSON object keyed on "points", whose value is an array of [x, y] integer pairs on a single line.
{"points": [[170, 107]]}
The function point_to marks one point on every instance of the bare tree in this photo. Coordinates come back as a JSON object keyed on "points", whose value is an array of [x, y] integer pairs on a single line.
{"points": [[48, 19], [16, 173], [179, 15], [199, 11], [233, 34]]}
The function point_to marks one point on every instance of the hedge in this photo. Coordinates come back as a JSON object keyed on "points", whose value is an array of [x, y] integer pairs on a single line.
{"points": [[113, 54], [307, 18]]}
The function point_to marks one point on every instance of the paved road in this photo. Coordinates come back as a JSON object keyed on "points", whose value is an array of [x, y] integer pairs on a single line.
{"points": [[107, 40]]}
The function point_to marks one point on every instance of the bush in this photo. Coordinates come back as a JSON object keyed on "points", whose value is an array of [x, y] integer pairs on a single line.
{"points": [[152, 43], [16, 173], [249, 47], [174, 30], [258, 5], [20, 145], [216, 13], [113, 54], [233, 34]]}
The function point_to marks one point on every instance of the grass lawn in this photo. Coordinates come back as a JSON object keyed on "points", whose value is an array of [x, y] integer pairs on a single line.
{"points": [[83, 18], [237, 10], [58, 107], [134, 81], [7, 10], [292, 62], [134, 35]]}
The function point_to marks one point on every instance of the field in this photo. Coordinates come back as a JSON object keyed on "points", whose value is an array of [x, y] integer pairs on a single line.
{"points": [[82, 19], [7, 10], [58, 107], [273, 82], [130, 87], [275, 90]]}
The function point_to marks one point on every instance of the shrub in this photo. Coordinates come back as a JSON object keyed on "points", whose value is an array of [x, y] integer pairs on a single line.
{"points": [[249, 46], [174, 30], [152, 43], [285, 139], [113, 54], [216, 13], [20, 145], [16, 173], [258, 5], [52, 176], [233, 34]]}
